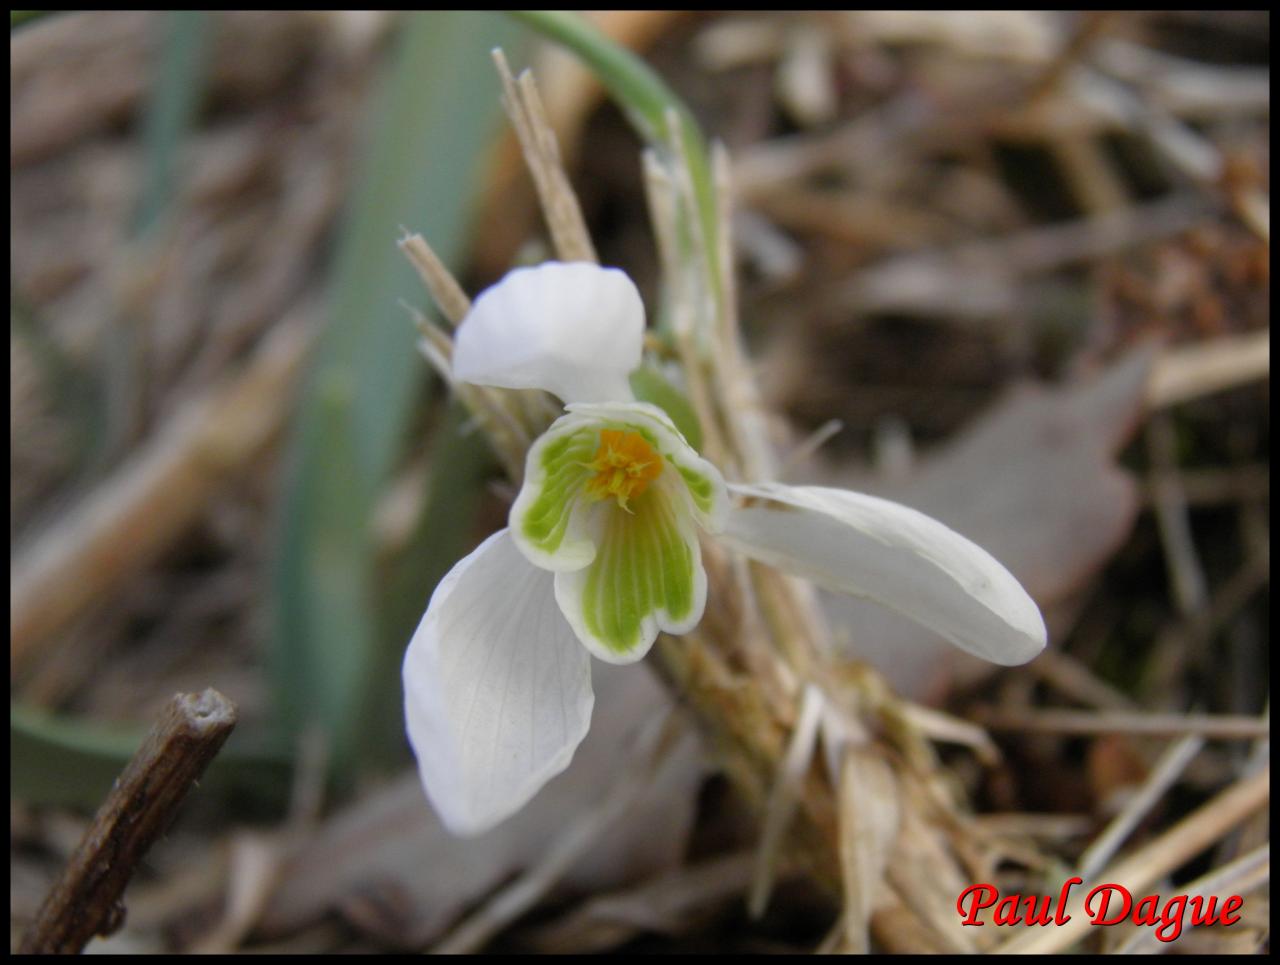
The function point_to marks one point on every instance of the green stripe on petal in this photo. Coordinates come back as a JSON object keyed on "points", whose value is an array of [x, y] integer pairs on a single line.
{"points": [[546, 518], [702, 488], [646, 576]]}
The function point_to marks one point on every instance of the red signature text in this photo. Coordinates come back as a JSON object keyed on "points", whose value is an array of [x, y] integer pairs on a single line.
{"points": [[1105, 904]]}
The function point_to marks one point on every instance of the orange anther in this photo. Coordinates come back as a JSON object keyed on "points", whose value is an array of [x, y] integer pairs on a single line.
{"points": [[624, 466]]}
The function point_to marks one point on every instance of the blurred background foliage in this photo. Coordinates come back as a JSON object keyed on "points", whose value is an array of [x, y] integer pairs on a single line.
{"points": [[230, 467]]}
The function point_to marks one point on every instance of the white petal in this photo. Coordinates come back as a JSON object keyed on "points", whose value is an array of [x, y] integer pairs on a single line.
{"points": [[858, 544], [572, 328], [497, 688]]}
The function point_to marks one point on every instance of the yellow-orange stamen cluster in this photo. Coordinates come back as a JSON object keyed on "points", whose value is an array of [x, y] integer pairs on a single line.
{"points": [[624, 466]]}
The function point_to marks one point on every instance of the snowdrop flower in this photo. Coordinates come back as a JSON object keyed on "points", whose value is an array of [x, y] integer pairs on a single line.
{"points": [[601, 551]]}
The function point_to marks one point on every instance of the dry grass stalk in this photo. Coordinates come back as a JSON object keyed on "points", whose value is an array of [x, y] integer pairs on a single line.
{"points": [[1163, 776], [1257, 831], [975, 279], [1049, 826], [541, 151], [1240, 877], [740, 392], [1190, 151], [1075, 680], [1212, 487], [1202, 368], [794, 765], [679, 293], [128, 520], [942, 728], [1219, 726], [444, 288], [1091, 27], [579, 836], [1165, 854], [664, 904], [923, 872], [497, 415], [1186, 572], [869, 811], [1187, 88]]}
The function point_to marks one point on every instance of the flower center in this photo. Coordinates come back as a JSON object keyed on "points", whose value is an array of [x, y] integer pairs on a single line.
{"points": [[624, 466]]}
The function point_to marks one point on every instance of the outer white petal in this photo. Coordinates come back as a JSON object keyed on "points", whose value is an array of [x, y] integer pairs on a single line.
{"points": [[858, 544], [497, 688], [572, 328]]}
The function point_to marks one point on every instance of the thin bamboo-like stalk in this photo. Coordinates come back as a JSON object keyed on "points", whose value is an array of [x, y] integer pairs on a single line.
{"points": [[1222, 726], [524, 107]]}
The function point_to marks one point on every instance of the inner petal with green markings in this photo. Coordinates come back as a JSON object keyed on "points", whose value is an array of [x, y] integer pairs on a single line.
{"points": [[612, 503]]}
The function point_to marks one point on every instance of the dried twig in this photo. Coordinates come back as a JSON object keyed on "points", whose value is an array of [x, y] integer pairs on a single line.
{"points": [[86, 899]]}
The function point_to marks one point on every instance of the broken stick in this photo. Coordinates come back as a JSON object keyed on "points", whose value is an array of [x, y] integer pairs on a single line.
{"points": [[85, 901]]}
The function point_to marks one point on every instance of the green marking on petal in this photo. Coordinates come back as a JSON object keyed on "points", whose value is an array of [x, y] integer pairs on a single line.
{"points": [[677, 564], [563, 474], [701, 488], [643, 567]]}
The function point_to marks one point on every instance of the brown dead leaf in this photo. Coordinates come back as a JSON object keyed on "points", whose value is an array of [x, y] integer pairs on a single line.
{"points": [[1035, 483], [1116, 770], [389, 865]]}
